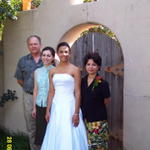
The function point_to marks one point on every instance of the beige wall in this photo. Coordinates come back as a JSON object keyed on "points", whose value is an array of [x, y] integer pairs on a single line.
{"points": [[129, 20], [14, 47]]}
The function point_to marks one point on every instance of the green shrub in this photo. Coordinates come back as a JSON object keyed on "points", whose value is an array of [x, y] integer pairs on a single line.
{"points": [[89, 1], [36, 3], [7, 96]]}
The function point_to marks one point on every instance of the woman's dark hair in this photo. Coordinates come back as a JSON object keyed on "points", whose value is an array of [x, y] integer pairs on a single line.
{"points": [[50, 49], [63, 44], [94, 56]]}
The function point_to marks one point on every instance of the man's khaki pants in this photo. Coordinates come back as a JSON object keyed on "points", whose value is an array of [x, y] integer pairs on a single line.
{"points": [[30, 121]]}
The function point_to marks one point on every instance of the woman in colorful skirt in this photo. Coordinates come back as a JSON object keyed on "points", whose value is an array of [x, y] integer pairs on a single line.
{"points": [[95, 96]]}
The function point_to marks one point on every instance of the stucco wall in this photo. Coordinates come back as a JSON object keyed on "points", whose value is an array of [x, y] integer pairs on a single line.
{"points": [[129, 20], [15, 35]]}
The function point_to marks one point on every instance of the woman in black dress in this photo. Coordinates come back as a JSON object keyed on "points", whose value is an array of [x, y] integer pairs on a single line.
{"points": [[95, 96]]}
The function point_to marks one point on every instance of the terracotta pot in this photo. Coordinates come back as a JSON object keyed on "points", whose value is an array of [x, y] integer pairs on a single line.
{"points": [[26, 4]]}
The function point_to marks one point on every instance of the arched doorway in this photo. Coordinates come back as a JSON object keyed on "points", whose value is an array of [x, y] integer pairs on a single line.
{"points": [[112, 70]]}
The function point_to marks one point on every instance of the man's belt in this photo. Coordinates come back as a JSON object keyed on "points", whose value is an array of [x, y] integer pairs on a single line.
{"points": [[31, 93]]}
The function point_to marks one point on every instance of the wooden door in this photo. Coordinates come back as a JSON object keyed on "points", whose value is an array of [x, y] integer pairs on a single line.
{"points": [[112, 71]]}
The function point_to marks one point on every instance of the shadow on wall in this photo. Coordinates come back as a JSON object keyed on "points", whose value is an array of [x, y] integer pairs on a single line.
{"points": [[1, 69]]}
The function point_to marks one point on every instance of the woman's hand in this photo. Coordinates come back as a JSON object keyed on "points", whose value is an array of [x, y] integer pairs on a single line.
{"points": [[34, 113], [107, 101], [75, 119], [47, 116]]}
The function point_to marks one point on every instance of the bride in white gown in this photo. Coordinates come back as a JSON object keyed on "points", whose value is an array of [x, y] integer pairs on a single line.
{"points": [[65, 129]]}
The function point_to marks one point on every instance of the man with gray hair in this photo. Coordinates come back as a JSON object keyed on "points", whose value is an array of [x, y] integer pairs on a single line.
{"points": [[25, 78]]}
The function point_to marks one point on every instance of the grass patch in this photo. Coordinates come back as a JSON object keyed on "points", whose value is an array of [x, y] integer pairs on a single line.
{"points": [[15, 141]]}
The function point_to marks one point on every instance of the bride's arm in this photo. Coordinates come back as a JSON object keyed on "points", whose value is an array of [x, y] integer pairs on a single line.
{"points": [[77, 77], [50, 96]]}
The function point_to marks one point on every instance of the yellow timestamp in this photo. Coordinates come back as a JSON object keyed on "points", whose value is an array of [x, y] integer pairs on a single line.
{"points": [[9, 143]]}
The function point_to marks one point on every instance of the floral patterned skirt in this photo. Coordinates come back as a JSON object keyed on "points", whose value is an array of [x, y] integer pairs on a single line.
{"points": [[97, 135]]}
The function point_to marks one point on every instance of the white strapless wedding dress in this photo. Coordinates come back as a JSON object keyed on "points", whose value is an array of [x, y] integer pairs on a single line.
{"points": [[60, 132]]}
